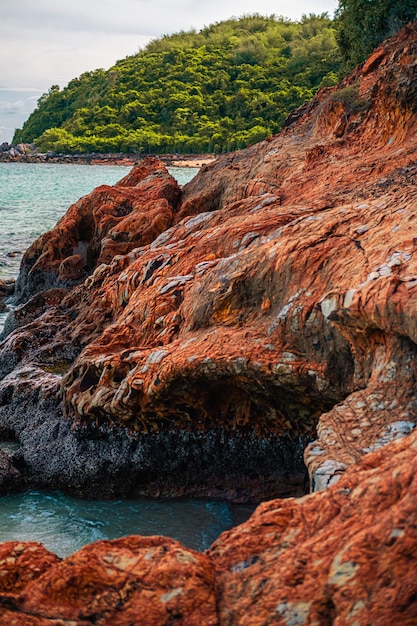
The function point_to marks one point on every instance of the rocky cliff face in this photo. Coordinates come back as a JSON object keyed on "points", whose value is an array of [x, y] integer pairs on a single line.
{"points": [[199, 341]]}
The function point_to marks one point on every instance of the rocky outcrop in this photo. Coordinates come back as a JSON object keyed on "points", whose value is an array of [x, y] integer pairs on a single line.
{"points": [[108, 222], [11, 478], [6, 291], [342, 556], [152, 579], [206, 343], [222, 327], [28, 153]]}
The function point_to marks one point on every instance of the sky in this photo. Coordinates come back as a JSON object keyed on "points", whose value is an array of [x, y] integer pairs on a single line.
{"points": [[50, 42]]}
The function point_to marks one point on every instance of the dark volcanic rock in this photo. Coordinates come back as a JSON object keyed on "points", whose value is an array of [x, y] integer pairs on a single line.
{"points": [[6, 291], [110, 462], [11, 479]]}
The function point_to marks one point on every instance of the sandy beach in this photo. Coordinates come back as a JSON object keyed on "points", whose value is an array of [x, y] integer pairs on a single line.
{"points": [[194, 161]]}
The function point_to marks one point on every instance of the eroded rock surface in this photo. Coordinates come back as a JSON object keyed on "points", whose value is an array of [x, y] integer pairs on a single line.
{"points": [[149, 580], [197, 345], [277, 293], [346, 555], [105, 223], [343, 556], [213, 334]]}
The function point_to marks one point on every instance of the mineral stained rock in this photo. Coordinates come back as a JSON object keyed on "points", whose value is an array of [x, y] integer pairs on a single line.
{"points": [[199, 341], [108, 222], [345, 555], [133, 580]]}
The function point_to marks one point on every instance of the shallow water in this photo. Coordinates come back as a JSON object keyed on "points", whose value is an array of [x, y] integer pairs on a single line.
{"points": [[63, 524], [34, 196], [32, 199]]}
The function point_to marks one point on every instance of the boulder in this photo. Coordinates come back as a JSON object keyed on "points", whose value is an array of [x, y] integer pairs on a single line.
{"points": [[151, 579]]}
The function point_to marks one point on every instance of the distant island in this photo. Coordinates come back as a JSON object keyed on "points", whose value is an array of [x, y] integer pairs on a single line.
{"points": [[223, 88], [217, 90]]}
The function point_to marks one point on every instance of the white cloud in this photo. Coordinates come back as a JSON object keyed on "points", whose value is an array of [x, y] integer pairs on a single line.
{"points": [[15, 108], [48, 42], [10, 108]]}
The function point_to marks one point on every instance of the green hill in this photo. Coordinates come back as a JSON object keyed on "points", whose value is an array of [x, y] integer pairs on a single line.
{"points": [[229, 85]]}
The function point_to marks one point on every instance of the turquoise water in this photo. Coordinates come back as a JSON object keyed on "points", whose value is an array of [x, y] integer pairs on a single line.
{"points": [[63, 524], [32, 198]]}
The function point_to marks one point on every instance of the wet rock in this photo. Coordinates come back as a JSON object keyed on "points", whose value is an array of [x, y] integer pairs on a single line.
{"points": [[7, 287], [107, 462], [11, 479], [6, 291]]}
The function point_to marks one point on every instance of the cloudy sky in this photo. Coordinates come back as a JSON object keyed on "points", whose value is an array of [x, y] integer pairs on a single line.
{"points": [[49, 42]]}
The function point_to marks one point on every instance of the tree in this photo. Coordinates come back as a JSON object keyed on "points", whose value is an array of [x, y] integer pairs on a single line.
{"points": [[364, 24], [228, 85]]}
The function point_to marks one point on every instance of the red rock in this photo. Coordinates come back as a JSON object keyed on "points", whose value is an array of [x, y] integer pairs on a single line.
{"points": [[282, 291], [22, 563], [344, 556], [276, 307], [109, 221], [148, 580]]}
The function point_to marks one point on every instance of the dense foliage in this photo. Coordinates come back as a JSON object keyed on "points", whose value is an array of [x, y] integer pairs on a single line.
{"points": [[227, 86], [364, 24]]}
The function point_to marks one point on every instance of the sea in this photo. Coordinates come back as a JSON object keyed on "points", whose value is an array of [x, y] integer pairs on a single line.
{"points": [[33, 197]]}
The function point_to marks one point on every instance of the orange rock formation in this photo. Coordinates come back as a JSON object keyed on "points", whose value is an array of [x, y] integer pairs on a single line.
{"points": [[206, 336], [343, 556]]}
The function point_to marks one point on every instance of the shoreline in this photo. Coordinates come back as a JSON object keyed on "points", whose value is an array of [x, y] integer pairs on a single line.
{"points": [[171, 160]]}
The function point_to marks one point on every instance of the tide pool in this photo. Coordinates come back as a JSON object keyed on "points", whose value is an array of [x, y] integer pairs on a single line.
{"points": [[64, 524]]}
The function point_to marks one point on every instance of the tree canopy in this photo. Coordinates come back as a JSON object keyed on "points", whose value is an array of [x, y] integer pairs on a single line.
{"points": [[229, 85], [363, 24]]}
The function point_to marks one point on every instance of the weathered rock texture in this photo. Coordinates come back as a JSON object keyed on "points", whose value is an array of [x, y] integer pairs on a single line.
{"points": [[133, 580], [108, 222], [346, 555], [172, 342], [210, 331]]}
